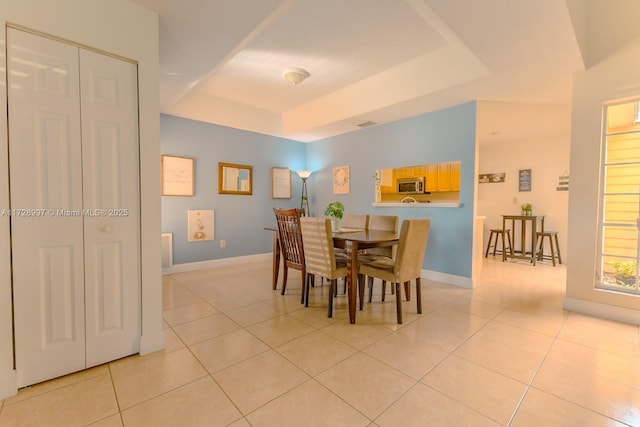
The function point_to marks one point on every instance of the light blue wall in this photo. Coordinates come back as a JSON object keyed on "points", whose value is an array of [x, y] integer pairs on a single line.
{"points": [[441, 136], [445, 135], [240, 220]]}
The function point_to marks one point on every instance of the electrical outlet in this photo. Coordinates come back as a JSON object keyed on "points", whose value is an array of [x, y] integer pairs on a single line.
{"points": [[223, 243]]}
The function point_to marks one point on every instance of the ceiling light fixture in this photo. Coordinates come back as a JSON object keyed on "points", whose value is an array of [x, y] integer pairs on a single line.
{"points": [[295, 75]]}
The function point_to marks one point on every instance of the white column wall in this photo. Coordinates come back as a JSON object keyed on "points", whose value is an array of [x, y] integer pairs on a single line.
{"points": [[615, 77], [128, 30]]}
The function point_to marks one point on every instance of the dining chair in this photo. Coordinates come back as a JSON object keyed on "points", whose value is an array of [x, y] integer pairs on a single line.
{"points": [[407, 265], [319, 255], [384, 223], [359, 221], [355, 221], [291, 247]]}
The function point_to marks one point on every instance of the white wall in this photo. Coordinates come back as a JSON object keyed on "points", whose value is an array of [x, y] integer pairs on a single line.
{"points": [[614, 77], [125, 29], [547, 157]]}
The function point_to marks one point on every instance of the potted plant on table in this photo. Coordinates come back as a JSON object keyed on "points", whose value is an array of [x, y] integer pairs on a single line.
{"points": [[526, 209], [335, 211]]}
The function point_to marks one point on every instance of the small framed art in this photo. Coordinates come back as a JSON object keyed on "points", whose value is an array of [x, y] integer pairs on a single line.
{"points": [[341, 180]]}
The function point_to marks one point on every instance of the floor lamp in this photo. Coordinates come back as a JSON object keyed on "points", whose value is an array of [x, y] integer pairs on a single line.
{"points": [[304, 200]]}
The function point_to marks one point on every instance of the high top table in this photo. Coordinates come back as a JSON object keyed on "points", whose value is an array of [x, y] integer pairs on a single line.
{"points": [[521, 252]]}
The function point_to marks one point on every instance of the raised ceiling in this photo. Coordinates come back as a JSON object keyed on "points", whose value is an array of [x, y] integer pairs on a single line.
{"points": [[370, 61]]}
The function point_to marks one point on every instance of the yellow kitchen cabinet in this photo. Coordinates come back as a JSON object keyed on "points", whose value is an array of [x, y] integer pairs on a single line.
{"points": [[455, 176], [443, 177], [431, 175]]}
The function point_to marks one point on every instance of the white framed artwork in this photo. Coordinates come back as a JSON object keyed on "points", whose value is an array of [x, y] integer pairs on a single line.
{"points": [[199, 225]]}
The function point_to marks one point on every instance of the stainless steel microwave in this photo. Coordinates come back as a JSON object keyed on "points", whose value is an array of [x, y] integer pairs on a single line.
{"points": [[410, 185]]}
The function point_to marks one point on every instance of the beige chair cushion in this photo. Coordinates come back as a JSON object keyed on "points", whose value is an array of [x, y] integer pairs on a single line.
{"points": [[408, 263]]}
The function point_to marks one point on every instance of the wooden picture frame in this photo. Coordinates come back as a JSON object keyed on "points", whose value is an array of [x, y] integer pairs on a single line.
{"points": [[177, 175], [280, 183], [235, 179]]}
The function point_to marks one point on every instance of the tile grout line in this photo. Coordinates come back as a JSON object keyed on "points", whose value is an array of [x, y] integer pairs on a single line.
{"points": [[533, 377]]}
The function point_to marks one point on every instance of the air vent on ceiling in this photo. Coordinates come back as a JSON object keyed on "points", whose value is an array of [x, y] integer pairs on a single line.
{"points": [[367, 124]]}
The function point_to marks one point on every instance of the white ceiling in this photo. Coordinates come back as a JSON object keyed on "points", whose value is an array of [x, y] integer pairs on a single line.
{"points": [[221, 61]]}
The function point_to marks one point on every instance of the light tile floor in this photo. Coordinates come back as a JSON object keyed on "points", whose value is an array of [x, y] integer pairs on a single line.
{"points": [[239, 354]]}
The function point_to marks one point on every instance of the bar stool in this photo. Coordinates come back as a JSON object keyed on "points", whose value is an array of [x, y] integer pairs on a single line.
{"points": [[500, 235], [553, 245]]}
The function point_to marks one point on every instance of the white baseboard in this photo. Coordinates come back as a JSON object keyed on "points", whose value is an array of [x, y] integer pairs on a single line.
{"points": [[8, 385], [462, 282], [213, 263], [605, 311]]}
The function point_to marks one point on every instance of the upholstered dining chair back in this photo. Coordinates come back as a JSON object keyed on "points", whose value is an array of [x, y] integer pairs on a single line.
{"points": [[384, 223], [290, 241], [319, 255], [407, 265], [360, 221], [412, 245]]}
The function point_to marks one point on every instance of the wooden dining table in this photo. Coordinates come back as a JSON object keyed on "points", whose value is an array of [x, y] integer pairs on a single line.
{"points": [[352, 242]]}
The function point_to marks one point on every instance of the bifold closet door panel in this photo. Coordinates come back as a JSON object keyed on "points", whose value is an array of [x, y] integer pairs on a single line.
{"points": [[111, 198], [46, 196]]}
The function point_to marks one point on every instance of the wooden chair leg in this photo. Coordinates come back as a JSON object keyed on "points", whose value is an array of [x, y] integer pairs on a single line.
{"points": [[332, 286], [540, 253], [419, 295], [370, 284], [361, 290], [305, 288], [558, 249], [398, 303], [486, 253], [384, 289], [407, 290], [285, 272], [305, 285]]}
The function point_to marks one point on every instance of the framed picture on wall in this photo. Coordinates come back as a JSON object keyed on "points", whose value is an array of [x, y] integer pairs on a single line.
{"points": [[524, 180], [341, 180], [280, 183], [199, 225], [177, 175]]}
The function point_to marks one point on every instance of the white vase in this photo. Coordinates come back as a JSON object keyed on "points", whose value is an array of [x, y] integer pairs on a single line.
{"points": [[335, 224]]}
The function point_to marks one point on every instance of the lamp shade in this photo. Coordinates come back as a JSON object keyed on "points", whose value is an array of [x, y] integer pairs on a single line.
{"points": [[304, 174]]}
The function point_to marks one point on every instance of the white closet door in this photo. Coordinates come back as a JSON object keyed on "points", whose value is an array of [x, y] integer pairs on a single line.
{"points": [[111, 201], [46, 183]]}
